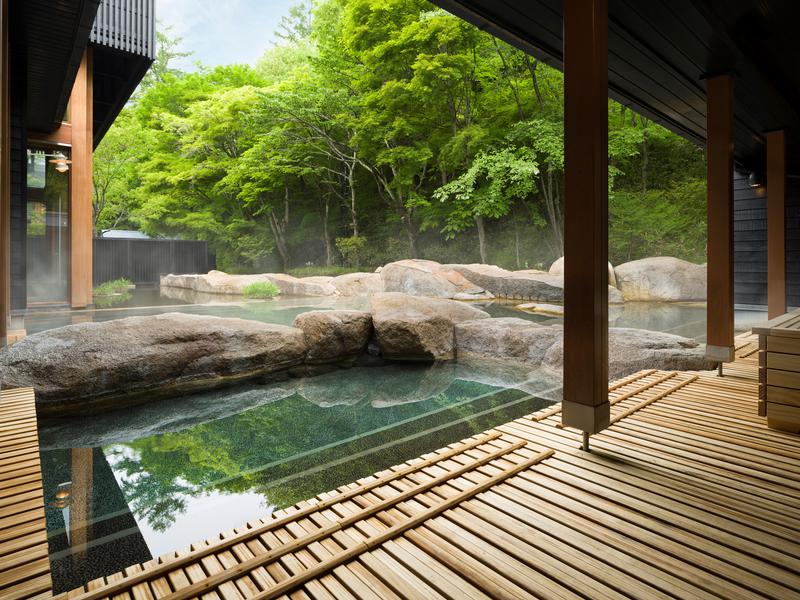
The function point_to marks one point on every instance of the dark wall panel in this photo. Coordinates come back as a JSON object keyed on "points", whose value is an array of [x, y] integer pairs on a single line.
{"points": [[750, 241]]}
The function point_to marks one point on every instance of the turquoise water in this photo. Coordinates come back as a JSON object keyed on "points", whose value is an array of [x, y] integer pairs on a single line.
{"points": [[152, 479]]}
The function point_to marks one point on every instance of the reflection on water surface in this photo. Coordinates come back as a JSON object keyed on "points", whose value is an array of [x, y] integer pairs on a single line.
{"points": [[154, 478]]}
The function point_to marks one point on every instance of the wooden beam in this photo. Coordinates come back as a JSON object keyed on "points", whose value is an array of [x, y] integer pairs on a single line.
{"points": [[776, 223], [719, 150], [80, 218], [61, 136], [585, 405]]}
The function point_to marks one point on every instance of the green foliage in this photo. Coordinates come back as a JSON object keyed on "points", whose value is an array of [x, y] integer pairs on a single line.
{"points": [[261, 289], [387, 120], [321, 271], [114, 286], [489, 187], [668, 222], [111, 293], [352, 249]]}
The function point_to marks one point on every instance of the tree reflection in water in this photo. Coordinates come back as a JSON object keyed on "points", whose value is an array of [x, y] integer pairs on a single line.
{"points": [[293, 449]]}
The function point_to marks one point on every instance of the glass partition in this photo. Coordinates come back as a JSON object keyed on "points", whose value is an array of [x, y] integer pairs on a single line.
{"points": [[47, 228]]}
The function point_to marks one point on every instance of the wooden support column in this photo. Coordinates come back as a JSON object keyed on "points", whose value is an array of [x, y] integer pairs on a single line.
{"points": [[5, 178], [585, 404], [80, 218], [776, 223], [719, 150]]}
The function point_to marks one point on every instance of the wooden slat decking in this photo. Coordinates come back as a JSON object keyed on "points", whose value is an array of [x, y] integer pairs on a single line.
{"points": [[687, 495], [24, 564]]}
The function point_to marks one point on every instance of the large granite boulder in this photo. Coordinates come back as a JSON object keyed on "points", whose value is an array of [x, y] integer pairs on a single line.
{"points": [[510, 284], [303, 286], [541, 308], [213, 282], [662, 278], [358, 284], [506, 338], [219, 282], [190, 296], [557, 268], [535, 345], [429, 279], [334, 335], [523, 285], [84, 367], [419, 329], [631, 350]]}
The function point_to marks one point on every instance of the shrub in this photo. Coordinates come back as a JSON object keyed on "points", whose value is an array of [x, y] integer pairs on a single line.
{"points": [[115, 286], [321, 271], [352, 249], [261, 289]]}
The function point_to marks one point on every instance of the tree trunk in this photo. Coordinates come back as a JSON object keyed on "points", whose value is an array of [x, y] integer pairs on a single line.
{"points": [[481, 239], [279, 225], [352, 188], [326, 235], [511, 85], [280, 241], [516, 243], [551, 201], [411, 232], [645, 157], [535, 81]]}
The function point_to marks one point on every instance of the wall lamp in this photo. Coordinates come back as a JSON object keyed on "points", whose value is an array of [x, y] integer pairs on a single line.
{"points": [[755, 180], [59, 159]]}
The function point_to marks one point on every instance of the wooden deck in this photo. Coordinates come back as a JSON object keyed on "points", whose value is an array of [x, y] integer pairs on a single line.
{"points": [[24, 564], [687, 495]]}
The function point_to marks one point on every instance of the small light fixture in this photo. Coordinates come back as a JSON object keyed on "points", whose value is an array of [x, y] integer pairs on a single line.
{"points": [[755, 180], [61, 162]]}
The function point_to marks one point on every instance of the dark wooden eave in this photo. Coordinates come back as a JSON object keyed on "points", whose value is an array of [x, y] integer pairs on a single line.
{"points": [[123, 39], [661, 50], [55, 34]]}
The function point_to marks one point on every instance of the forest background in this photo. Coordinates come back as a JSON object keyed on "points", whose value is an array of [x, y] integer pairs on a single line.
{"points": [[378, 130]]}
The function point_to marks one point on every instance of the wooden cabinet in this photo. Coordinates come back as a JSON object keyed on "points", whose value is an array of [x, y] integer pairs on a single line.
{"points": [[779, 371]]}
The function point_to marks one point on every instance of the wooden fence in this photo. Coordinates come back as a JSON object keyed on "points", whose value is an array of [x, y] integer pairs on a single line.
{"points": [[144, 261]]}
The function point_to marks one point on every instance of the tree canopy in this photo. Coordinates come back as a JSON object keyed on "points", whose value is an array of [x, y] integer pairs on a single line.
{"points": [[389, 126]]}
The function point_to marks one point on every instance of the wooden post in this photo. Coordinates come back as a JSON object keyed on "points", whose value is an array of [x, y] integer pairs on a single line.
{"points": [[5, 179], [719, 150], [776, 223], [585, 404], [80, 218]]}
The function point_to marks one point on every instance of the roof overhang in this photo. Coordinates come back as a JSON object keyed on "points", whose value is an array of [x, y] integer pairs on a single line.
{"points": [[116, 75], [660, 51], [55, 34]]}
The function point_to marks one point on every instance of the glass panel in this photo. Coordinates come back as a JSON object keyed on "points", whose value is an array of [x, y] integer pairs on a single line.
{"points": [[48, 230]]}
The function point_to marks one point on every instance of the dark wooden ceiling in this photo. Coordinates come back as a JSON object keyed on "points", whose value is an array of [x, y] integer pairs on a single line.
{"points": [[55, 34], [116, 75], [661, 50]]}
